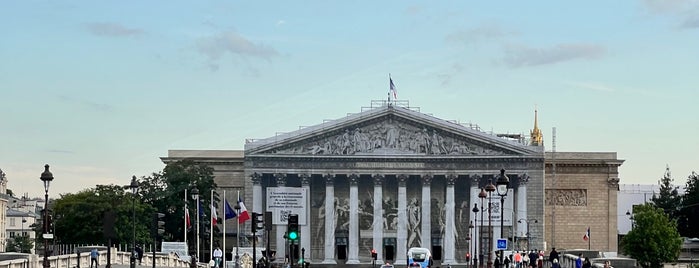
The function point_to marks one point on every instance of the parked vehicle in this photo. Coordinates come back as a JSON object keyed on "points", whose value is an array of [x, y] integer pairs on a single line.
{"points": [[419, 257]]}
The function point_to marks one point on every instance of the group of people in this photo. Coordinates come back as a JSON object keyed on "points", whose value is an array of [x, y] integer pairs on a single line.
{"points": [[535, 259]]}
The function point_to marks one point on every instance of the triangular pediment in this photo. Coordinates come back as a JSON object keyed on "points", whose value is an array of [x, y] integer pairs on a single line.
{"points": [[388, 130]]}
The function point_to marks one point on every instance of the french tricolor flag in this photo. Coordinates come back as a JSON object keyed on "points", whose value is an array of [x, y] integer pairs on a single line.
{"points": [[244, 216]]}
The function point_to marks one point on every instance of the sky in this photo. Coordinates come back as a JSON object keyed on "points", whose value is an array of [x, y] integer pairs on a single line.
{"points": [[100, 90]]}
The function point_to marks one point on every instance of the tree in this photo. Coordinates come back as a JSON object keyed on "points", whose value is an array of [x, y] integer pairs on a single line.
{"points": [[654, 239], [668, 199], [165, 191], [21, 244], [80, 215], [690, 207]]}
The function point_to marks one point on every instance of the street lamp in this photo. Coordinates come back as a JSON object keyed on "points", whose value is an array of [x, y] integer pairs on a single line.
{"points": [[195, 196], [46, 177], [490, 188], [628, 213], [482, 195], [528, 234], [471, 234], [475, 228], [237, 237], [134, 191], [503, 182]]}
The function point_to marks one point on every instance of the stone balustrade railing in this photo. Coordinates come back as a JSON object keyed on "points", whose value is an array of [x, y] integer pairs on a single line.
{"points": [[83, 260]]}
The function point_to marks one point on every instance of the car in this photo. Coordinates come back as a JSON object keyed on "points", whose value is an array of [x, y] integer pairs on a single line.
{"points": [[387, 265]]}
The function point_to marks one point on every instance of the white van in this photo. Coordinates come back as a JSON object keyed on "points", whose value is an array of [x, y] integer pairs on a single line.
{"points": [[419, 256]]}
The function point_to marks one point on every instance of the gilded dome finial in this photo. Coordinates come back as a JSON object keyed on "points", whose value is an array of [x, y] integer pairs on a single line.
{"points": [[537, 138]]}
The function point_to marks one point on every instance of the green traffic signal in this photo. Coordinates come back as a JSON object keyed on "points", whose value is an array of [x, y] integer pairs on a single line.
{"points": [[293, 235]]}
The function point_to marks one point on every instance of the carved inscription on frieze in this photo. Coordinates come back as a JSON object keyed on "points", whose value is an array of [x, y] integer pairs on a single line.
{"points": [[566, 197], [388, 137]]}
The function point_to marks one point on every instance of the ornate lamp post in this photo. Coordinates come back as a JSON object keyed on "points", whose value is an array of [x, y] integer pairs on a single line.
{"points": [[134, 191], [237, 237], [528, 234], [46, 177], [628, 213], [470, 235], [475, 239], [490, 188], [503, 182], [482, 195], [195, 197]]}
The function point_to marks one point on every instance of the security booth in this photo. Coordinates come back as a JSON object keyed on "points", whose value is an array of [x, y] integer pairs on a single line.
{"points": [[389, 249], [341, 243], [436, 247]]}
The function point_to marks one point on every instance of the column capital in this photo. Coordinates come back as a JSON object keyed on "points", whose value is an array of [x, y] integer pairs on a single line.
{"points": [[256, 178], [451, 179], [378, 179], [402, 179], [524, 179], [475, 179], [305, 179], [426, 179], [329, 179], [353, 179], [281, 179]]}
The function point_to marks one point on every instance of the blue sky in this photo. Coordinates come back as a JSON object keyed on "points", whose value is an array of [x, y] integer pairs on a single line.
{"points": [[100, 90]]}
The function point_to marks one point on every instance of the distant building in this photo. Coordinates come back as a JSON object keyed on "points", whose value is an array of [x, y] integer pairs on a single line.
{"points": [[3, 205], [20, 223], [391, 177]]}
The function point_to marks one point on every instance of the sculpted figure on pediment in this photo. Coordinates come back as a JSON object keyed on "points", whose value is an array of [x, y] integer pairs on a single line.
{"points": [[388, 137]]}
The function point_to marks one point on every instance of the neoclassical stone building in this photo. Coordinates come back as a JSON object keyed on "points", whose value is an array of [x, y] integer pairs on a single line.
{"points": [[390, 178]]}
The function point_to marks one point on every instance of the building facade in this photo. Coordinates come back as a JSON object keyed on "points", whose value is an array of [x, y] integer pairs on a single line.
{"points": [[390, 178]]}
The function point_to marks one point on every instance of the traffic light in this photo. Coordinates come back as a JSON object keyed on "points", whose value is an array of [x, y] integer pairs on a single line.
{"points": [[158, 224], [49, 222], [258, 222], [293, 227]]}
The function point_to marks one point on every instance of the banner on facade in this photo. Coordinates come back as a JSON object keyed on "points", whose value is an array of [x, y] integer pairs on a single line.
{"points": [[495, 209], [282, 201]]}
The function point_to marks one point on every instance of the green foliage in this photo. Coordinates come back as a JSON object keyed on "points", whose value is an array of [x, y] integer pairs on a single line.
{"points": [[78, 217], [21, 244], [690, 207], [654, 238], [175, 178], [668, 199]]}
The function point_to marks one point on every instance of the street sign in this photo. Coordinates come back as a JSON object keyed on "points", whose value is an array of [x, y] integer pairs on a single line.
{"points": [[502, 244], [47, 236]]}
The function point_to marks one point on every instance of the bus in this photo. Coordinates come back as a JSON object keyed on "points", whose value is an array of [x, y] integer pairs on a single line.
{"points": [[419, 257]]}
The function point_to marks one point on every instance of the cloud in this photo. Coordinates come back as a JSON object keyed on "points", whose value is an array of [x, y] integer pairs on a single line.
{"points": [[519, 56], [691, 22], [280, 23], [112, 29], [592, 86], [229, 42], [483, 32]]}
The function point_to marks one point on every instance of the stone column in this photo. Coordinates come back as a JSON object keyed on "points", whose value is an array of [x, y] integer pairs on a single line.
{"points": [[377, 225], [256, 193], [353, 257], [306, 228], [329, 249], [522, 207], [402, 228], [426, 225], [281, 228], [449, 242], [612, 192]]}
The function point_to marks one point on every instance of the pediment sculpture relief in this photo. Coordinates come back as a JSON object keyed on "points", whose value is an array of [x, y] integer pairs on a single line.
{"points": [[388, 138]]}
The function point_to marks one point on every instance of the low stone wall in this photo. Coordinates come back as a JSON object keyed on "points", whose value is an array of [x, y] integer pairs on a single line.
{"points": [[83, 260]]}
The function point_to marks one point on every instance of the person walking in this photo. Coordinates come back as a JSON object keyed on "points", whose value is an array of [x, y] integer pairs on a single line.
{"points": [[553, 256], [93, 258], [579, 261], [218, 254], [139, 254], [587, 263]]}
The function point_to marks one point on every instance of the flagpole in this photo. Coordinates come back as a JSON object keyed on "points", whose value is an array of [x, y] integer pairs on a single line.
{"points": [[211, 231], [223, 212], [198, 220], [237, 234], [589, 237], [389, 88], [185, 218]]}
